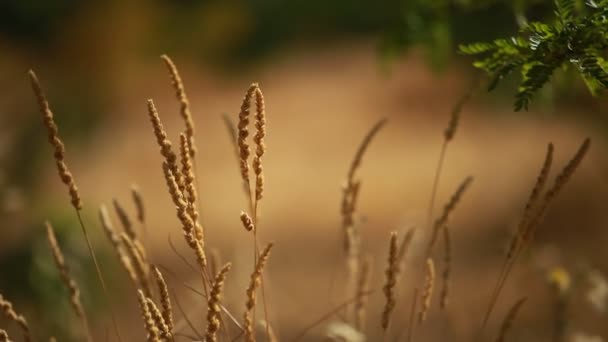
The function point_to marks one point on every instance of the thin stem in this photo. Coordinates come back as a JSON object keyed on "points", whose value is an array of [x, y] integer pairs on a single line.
{"points": [[99, 274], [331, 313], [411, 328], [186, 318], [263, 283], [438, 170]]}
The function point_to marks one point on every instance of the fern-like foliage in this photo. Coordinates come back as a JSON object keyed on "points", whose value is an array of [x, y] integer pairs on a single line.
{"points": [[578, 37]]}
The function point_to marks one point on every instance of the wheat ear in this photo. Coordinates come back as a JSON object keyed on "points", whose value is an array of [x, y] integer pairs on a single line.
{"points": [[138, 200], [139, 265], [165, 299], [188, 224], [153, 333], [55, 140], [67, 280], [116, 242], [9, 312], [127, 225], [190, 193], [509, 319], [243, 133], [68, 180], [427, 294], [213, 304], [181, 96], [159, 321], [260, 147], [447, 210], [166, 149], [351, 187], [391, 273], [254, 283]]}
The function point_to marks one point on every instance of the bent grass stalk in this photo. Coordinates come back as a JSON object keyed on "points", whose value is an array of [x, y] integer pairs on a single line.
{"points": [[448, 135], [526, 234], [7, 308], [68, 281], [67, 178]]}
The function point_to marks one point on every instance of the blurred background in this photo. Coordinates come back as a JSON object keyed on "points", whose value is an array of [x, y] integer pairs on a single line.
{"points": [[329, 71]]}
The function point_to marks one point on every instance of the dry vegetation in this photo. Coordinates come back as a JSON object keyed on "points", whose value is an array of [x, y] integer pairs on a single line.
{"points": [[351, 318]]}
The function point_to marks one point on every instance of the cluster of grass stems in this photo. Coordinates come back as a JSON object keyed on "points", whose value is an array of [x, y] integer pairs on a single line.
{"points": [[180, 170]]}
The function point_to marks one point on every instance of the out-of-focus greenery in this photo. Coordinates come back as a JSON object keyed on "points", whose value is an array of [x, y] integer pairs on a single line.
{"points": [[577, 37]]}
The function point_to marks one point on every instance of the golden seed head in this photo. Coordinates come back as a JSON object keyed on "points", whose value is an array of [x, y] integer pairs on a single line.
{"points": [[427, 294], [6, 307], [247, 221], [165, 299], [181, 96], [213, 304], [59, 149], [392, 272], [138, 200]]}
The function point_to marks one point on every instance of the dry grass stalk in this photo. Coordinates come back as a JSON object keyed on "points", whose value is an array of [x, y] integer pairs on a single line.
{"points": [[188, 224], [243, 133], [427, 294], [116, 242], [159, 321], [67, 280], [165, 299], [353, 263], [351, 187], [151, 329], [509, 319], [55, 140], [448, 135], [68, 179], [142, 269], [166, 149], [231, 129], [529, 221], [411, 326], [260, 147], [558, 185], [247, 222], [405, 244], [541, 180], [3, 336], [272, 336], [447, 210], [138, 200], [124, 219], [391, 273], [254, 283], [127, 225], [213, 304], [190, 194], [447, 268], [7, 308], [181, 96], [363, 282]]}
